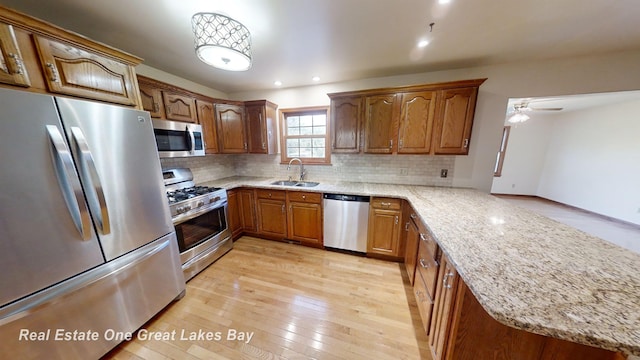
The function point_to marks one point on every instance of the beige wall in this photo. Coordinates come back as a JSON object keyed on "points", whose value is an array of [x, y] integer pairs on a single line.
{"points": [[611, 72], [589, 74]]}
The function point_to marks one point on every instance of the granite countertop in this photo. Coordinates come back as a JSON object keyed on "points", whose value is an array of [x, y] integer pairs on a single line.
{"points": [[528, 271]]}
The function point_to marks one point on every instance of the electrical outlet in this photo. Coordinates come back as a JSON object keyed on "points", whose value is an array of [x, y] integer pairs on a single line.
{"points": [[404, 171], [513, 186], [638, 210], [443, 173]]}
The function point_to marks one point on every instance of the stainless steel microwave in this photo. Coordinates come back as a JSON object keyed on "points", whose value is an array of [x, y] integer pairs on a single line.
{"points": [[178, 139]]}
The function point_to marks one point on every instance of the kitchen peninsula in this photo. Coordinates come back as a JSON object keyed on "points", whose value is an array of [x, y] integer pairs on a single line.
{"points": [[527, 271]]}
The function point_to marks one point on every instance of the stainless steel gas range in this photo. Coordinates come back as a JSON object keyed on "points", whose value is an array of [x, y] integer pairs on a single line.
{"points": [[199, 215]]}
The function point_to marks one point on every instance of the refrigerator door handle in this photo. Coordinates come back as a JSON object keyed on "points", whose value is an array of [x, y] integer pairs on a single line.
{"points": [[89, 175], [69, 182]]}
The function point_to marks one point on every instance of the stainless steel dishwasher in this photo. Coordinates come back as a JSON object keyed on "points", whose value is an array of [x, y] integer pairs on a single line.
{"points": [[346, 220]]}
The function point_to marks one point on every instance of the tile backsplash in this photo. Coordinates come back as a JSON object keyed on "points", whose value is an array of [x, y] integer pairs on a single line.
{"points": [[388, 169]]}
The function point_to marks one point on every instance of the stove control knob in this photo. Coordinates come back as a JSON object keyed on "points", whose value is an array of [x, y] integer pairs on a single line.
{"points": [[212, 200], [200, 203], [180, 209], [187, 207]]}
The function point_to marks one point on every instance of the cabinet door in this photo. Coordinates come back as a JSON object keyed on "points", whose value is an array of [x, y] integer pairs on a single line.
{"points": [[179, 107], [206, 118], [231, 129], [416, 122], [12, 68], [443, 309], [381, 124], [384, 232], [454, 119], [272, 218], [233, 212], [411, 249], [73, 71], [246, 198], [261, 127], [346, 119], [151, 98], [305, 223]]}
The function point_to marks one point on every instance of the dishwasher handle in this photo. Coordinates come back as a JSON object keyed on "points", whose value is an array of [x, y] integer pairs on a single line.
{"points": [[344, 197]]}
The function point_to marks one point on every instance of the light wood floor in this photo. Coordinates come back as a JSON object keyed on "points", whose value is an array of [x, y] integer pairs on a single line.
{"points": [[300, 303]]}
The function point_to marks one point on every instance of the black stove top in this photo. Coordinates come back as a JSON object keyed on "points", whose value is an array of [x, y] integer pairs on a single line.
{"points": [[188, 193]]}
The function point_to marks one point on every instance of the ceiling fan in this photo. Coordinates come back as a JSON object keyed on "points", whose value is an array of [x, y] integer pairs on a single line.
{"points": [[519, 110]]}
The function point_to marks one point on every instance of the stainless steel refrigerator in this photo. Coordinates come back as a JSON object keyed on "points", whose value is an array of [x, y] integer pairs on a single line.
{"points": [[86, 238]]}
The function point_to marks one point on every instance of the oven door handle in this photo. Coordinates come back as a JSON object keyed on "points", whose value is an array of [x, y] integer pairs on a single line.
{"points": [[191, 141], [69, 182], [89, 176], [200, 211]]}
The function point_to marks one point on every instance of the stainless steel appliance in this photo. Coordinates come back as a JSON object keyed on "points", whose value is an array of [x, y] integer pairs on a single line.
{"points": [[199, 214], [346, 220], [86, 239], [178, 139]]}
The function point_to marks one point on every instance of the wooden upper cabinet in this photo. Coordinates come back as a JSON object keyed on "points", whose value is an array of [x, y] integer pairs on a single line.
{"points": [[380, 123], [261, 127], [179, 107], [71, 70], [13, 70], [151, 98], [231, 129], [454, 119], [207, 118], [416, 122], [346, 120]]}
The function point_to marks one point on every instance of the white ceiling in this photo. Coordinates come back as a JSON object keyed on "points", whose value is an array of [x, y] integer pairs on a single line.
{"points": [[340, 40]]}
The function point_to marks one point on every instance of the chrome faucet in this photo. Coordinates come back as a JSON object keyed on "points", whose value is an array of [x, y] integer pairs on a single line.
{"points": [[302, 172]]}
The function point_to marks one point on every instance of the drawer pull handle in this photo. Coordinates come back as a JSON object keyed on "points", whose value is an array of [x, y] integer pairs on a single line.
{"points": [[445, 281], [423, 264], [385, 204], [413, 216], [423, 237], [304, 197]]}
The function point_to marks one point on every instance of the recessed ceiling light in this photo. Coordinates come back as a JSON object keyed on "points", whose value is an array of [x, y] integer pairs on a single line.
{"points": [[423, 43], [277, 83], [316, 78], [444, 1]]}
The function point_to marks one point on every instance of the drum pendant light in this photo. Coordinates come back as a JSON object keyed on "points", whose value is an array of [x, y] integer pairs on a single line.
{"points": [[221, 41]]}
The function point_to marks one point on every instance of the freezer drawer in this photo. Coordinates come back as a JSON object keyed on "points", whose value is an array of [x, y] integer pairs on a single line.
{"points": [[119, 296]]}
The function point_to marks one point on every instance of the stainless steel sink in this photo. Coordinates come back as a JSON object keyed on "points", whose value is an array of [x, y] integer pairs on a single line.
{"points": [[307, 184], [295, 183], [284, 183]]}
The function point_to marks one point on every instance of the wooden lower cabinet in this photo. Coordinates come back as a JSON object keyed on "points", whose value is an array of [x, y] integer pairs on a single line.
{"points": [[247, 206], [385, 217], [461, 329], [412, 237], [233, 214], [305, 217], [272, 213]]}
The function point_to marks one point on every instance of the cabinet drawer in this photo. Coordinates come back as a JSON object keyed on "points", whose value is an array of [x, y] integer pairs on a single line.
{"points": [[424, 302], [307, 197], [386, 203], [427, 264], [270, 194]]}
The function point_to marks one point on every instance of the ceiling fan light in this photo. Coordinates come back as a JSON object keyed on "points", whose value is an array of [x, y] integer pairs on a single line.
{"points": [[221, 41], [518, 117]]}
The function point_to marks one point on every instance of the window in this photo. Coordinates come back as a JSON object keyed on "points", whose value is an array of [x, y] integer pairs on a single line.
{"points": [[305, 135], [497, 170]]}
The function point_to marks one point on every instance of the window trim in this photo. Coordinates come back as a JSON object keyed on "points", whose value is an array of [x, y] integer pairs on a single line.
{"points": [[504, 140], [283, 138]]}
